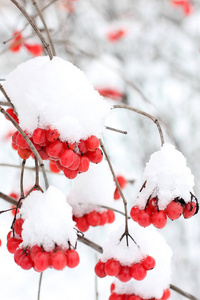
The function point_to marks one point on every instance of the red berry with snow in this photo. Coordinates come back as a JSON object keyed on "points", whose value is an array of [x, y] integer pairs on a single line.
{"points": [[190, 210], [134, 213], [159, 219], [112, 267], [18, 226], [143, 218], [72, 258], [58, 260], [100, 269], [124, 274], [42, 261], [174, 210], [138, 272], [148, 262]]}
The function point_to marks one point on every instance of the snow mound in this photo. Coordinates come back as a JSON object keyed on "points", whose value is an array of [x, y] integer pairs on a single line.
{"points": [[56, 93], [151, 242], [166, 176], [91, 189], [47, 220]]}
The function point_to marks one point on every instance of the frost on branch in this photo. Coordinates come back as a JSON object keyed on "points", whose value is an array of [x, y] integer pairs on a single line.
{"points": [[44, 236], [167, 189], [151, 243], [89, 192], [57, 94]]}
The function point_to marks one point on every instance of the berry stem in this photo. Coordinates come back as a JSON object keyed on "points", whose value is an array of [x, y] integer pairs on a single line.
{"points": [[45, 27], [37, 31], [22, 179], [39, 285], [119, 188], [116, 130], [155, 120], [33, 149]]}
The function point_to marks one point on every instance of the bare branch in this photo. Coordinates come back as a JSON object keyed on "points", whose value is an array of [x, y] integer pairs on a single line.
{"points": [[138, 111], [37, 31], [39, 286], [181, 292], [9, 199], [7, 98], [90, 244], [116, 130]]}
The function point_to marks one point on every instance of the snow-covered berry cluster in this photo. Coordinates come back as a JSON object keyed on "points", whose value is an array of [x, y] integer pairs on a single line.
{"points": [[116, 296], [71, 158], [137, 271], [167, 190]]}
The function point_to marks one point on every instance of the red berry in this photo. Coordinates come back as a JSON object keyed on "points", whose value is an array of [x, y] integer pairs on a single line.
{"points": [[134, 297], [82, 224], [76, 162], [112, 267], [95, 156], [55, 149], [115, 296], [17, 255], [111, 216], [122, 181], [14, 195], [18, 226], [12, 244], [24, 153], [34, 250], [58, 260], [99, 269], [189, 210], [52, 135], [143, 218], [53, 167], [14, 137], [25, 261], [11, 112], [92, 143], [39, 136], [166, 294], [124, 274], [72, 258], [93, 218], [15, 147], [103, 218], [35, 49], [148, 262], [67, 158], [174, 210], [9, 235], [20, 141], [43, 154], [112, 287], [134, 213], [152, 206], [59, 166], [42, 261], [117, 195], [84, 164], [82, 147], [159, 219], [71, 174], [138, 272]]}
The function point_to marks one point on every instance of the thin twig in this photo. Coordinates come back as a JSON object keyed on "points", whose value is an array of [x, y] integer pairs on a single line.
{"points": [[119, 188], [181, 292], [116, 130], [39, 286], [7, 98], [9, 199], [22, 179], [6, 210], [27, 168], [37, 31], [45, 27], [3, 103], [96, 281], [33, 149], [155, 120], [90, 244]]}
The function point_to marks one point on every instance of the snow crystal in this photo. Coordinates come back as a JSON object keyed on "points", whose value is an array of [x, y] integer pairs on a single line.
{"points": [[56, 93], [48, 220], [167, 177], [151, 243], [91, 189]]}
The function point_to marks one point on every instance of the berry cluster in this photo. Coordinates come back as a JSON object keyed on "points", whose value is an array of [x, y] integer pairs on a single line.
{"points": [[122, 183], [151, 214], [115, 296], [18, 42], [137, 271], [36, 257], [94, 219], [71, 158]]}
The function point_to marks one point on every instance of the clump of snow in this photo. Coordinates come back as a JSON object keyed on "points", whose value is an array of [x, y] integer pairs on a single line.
{"points": [[47, 220], [56, 93], [150, 242], [91, 189], [167, 177]]}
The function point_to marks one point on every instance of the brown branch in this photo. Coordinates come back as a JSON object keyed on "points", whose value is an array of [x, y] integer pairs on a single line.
{"points": [[9, 199], [22, 179], [119, 188], [90, 244], [7, 98], [37, 31], [32, 147], [27, 168], [45, 27], [39, 285], [155, 120], [3, 103], [181, 292], [116, 130]]}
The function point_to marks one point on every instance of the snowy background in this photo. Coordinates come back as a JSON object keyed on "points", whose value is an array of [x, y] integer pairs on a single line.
{"points": [[155, 65]]}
